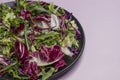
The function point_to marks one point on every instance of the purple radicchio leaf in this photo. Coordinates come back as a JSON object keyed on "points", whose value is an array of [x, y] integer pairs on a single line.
{"points": [[21, 51], [69, 16], [42, 17], [3, 60], [25, 14], [60, 63], [31, 35], [78, 34], [63, 27], [35, 54], [44, 53], [19, 29], [31, 69], [37, 29], [51, 54], [74, 50], [55, 53]]}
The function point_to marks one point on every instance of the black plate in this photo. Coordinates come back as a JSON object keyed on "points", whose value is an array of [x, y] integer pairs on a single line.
{"points": [[70, 61]]}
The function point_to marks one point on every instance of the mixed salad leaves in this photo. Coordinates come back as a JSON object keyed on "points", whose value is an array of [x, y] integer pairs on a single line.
{"points": [[34, 38]]}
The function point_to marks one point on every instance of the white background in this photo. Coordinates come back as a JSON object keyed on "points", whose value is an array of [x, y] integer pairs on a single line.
{"points": [[101, 22]]}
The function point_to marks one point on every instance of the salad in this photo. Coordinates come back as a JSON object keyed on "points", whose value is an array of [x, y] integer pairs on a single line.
{"points": [[34, 38]]}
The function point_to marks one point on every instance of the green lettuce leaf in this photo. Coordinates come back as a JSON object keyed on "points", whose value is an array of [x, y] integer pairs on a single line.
{"points": [[21, 4], [51, 38], [56, 10], [6, 15], [6, 45], [14, 72], [36, 8], [46, 74]]}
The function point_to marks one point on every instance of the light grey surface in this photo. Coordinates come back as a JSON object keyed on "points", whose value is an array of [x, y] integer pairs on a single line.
{"points": [[101, 22]]}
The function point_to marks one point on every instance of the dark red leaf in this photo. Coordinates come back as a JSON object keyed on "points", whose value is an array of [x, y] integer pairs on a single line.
{"points": [[50, 54], [55, 53], [31, 69], [44, 53], [43, 17], [69, 16], [63, 27], [78, 34], [21, 51], [31, 35], [60, 64], [4, 60], [25, 14], [21, 28], [35, 54], [74, 50], [37, 29], [17, 30]]}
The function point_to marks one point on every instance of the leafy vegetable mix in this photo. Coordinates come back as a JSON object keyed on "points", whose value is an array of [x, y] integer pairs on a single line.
{"points": [[34, 37]]}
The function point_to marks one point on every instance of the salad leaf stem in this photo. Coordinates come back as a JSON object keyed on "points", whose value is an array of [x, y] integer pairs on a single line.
{"points": [[26, 40], [8, 67], [17, 4], [18, 38], [32, 20]]}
